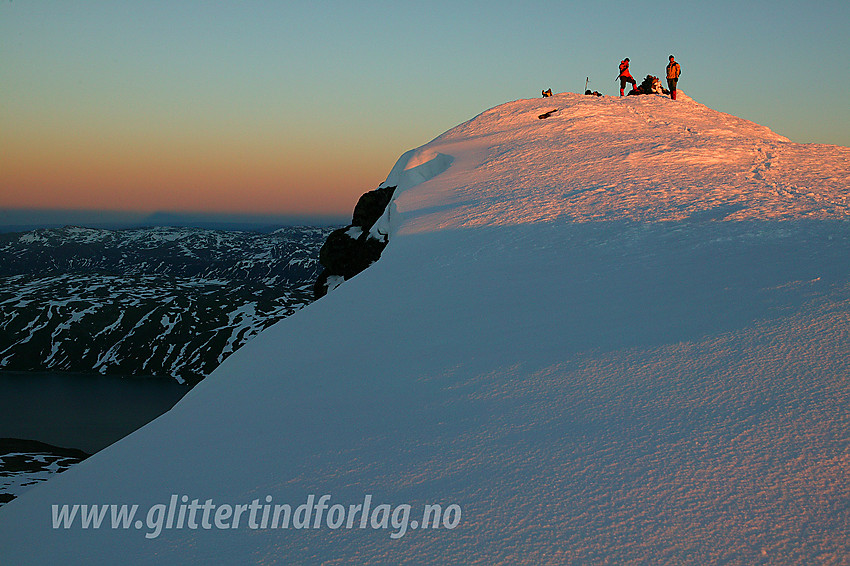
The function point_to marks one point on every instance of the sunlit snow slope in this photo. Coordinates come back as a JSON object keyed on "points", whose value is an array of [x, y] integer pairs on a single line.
{"points": [[617, 335]]}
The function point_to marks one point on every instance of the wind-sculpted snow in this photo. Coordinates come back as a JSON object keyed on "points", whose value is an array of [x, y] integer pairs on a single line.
{"points": [[618, 335], [417, 166], [641, 158]]}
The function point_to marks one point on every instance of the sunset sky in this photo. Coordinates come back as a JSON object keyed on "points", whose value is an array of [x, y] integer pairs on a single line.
{"points": [[299, 107]]}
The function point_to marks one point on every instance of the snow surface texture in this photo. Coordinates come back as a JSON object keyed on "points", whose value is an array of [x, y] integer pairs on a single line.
{"points": [[615, 336]]}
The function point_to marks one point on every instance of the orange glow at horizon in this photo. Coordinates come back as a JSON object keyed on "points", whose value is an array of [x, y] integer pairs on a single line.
{"points": [[264, 176]]}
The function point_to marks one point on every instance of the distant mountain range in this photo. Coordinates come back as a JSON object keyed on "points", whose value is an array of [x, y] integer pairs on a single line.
{"points": [[149, 301], [21, 220]]}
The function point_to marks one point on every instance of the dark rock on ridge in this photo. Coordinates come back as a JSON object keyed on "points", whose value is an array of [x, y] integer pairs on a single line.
{"points": [[348, 251], [370, 207]]}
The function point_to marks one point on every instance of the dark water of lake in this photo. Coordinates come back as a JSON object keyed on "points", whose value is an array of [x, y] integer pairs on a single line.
{"points": [[84, 411]]}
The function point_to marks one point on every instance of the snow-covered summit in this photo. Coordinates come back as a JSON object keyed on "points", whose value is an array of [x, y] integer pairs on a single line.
{"points": [[643, 158], [562, 345]]}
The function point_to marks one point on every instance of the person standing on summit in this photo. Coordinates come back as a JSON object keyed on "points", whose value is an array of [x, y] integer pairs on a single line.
{"points": [[673, 72], [625, 76]]}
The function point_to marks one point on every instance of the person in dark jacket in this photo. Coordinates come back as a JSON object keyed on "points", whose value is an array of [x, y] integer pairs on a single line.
{"points": [[673, 72], [625, 76]]}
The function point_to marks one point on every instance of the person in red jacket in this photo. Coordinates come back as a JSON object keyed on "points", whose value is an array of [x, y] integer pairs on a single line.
{"points": [[625, 76]]}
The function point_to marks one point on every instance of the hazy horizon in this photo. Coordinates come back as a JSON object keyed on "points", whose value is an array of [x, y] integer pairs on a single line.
{"points": [[17, 220]]}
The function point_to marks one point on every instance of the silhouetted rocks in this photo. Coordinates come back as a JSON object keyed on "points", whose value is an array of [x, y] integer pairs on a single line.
{"points": [[350, 250], [371, 206]]}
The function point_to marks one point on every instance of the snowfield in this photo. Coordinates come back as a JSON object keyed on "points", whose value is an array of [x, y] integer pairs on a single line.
{"points": [[617, 335]]}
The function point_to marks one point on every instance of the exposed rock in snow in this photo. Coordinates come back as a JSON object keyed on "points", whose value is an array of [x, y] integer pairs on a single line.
{"points": [[350, 250]]}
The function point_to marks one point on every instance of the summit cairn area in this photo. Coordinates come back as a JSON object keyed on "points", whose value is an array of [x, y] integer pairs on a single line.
{"points": [[650, 85]]}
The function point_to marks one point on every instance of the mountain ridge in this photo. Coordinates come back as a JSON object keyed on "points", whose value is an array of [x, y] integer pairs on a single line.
{"points": [[617, 335]]}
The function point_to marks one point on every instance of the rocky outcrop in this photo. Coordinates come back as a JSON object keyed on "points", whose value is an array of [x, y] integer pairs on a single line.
{"points": [[650, 85], [350, 250]]}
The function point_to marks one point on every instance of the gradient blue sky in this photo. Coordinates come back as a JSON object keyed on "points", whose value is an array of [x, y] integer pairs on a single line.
{"points": [[299, 107]]}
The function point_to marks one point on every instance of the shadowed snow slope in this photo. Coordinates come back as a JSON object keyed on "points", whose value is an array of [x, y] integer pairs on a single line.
{"points": [[618, 335]]}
